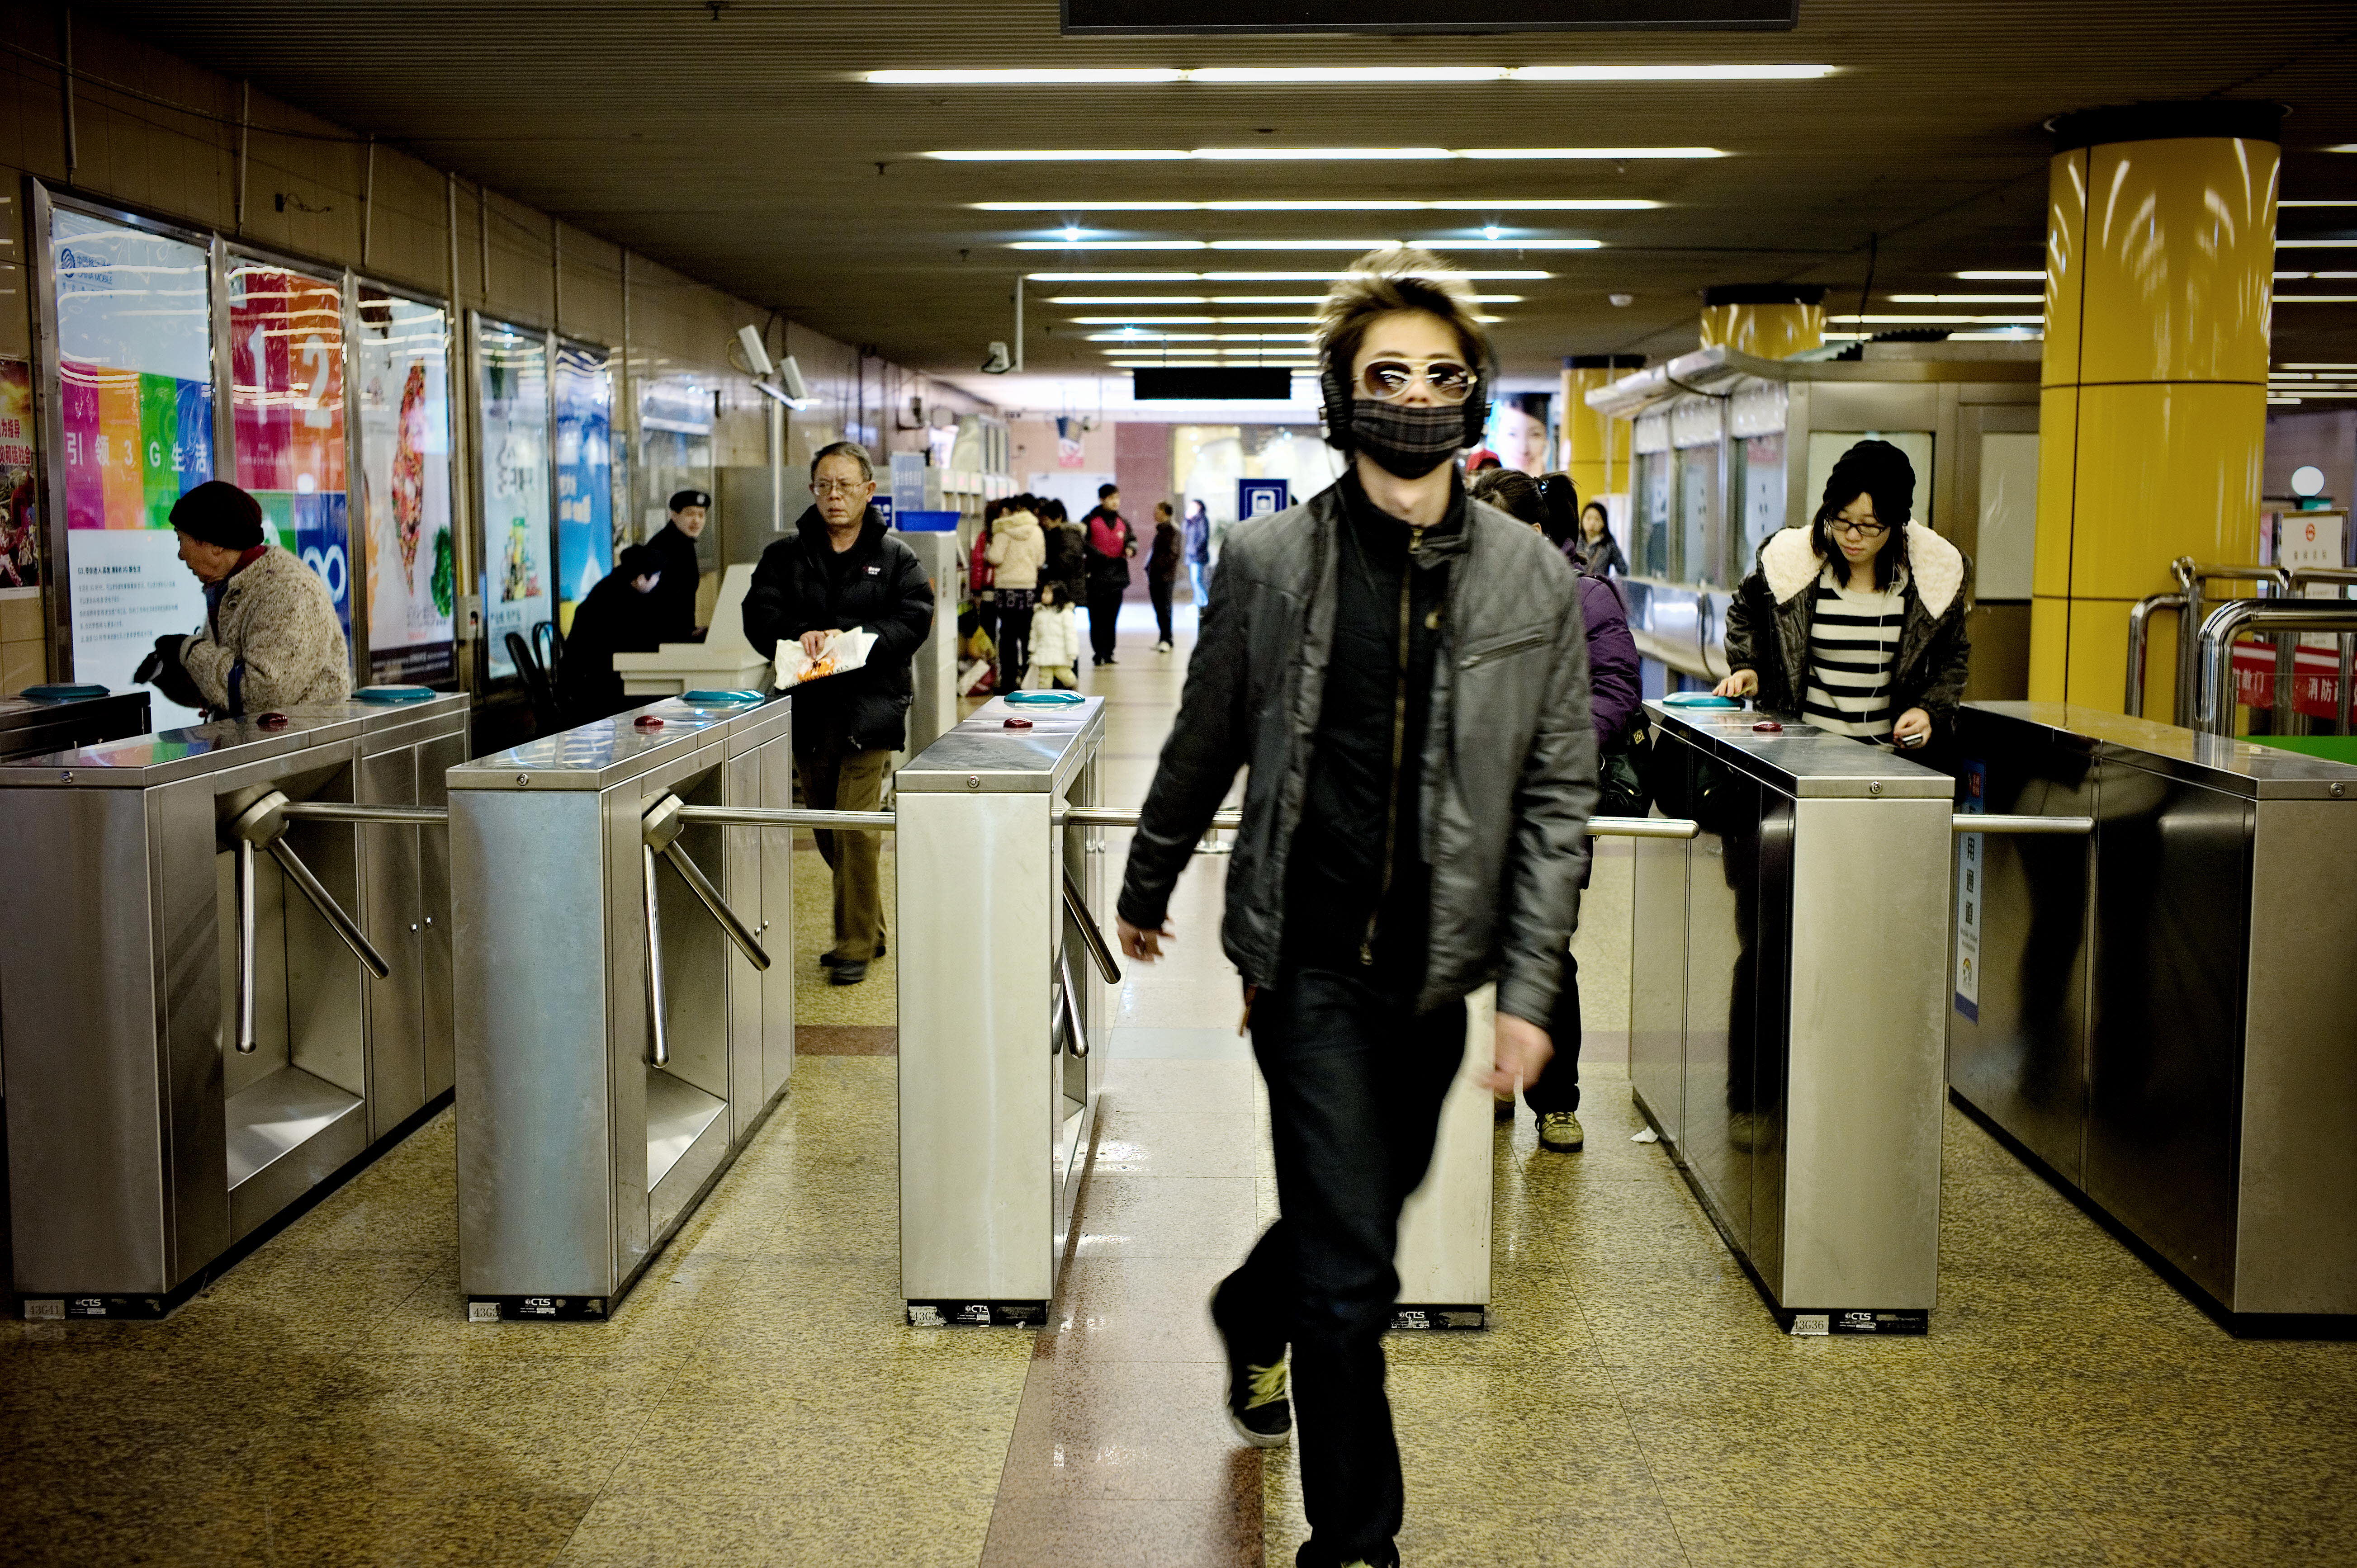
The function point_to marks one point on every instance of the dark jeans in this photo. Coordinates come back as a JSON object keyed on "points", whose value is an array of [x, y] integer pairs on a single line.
{"points": [[1557, 1088], [1104, 613], [1013, 644], [1355, 1081], [1160, 592]]}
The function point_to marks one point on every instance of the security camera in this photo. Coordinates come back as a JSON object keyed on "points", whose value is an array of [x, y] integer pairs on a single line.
{"points": [[1622, 300], [999, 362], [789, 376], [757, 353]]}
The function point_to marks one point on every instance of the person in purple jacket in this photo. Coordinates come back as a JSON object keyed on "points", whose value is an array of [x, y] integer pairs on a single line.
{"points": [[1552, 506]]}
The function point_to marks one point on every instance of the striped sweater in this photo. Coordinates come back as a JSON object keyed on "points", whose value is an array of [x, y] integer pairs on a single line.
{"points": [[1852, 634]]}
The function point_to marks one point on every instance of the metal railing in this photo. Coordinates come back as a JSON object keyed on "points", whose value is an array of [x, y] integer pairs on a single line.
{"points": [[2236, 618], [2139, 618]]}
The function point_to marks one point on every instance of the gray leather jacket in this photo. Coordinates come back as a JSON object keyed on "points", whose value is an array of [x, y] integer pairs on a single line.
{"points": [[1508, 764]]}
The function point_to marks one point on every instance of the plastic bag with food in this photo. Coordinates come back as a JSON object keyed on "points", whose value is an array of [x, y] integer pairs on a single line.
{"points": [[841, 653]]}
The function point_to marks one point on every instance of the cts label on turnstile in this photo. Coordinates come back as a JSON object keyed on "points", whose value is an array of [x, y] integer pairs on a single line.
{"points": [[536, 1309], [53, 1309], [977, 1314], [1807, 1323], [1974, 776], [1406, 1318]]}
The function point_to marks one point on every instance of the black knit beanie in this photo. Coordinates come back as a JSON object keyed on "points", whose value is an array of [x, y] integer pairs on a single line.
{"points": [[1879, 469], [220, 513]]}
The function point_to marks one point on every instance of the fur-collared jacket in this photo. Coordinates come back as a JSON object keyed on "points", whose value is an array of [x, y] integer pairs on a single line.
{"points": [[1768, 626], [273, 641]]}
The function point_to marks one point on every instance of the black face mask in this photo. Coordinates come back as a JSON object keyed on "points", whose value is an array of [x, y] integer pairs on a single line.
{"points": [[1409, 440]]}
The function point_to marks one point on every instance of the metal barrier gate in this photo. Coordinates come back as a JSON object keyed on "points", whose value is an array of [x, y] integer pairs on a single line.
{"points": [[264, 1019], [1788, 982], [620, 1030], [2165, 1016]]}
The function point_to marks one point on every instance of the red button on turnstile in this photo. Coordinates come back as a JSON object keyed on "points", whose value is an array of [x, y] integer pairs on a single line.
{"points": [[1017, 724], [648, 721], [1767, 727]]}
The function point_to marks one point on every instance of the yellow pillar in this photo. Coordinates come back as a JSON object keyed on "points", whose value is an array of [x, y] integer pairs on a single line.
{"points": [[1595, 446], [2160, 237], [1771, 321]]}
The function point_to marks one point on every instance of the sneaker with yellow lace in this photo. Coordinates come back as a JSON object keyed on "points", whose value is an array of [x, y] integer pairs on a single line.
{"points": [[1559, 1133], [1257, 1406]]}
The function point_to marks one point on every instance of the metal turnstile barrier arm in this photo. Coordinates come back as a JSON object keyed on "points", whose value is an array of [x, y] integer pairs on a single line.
{"points": [[2234, 618], [659, 835], [263, 825], [1091, 934]]}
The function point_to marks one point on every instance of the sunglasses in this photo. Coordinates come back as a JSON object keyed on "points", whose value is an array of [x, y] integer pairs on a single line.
{"points": [[1391, 380]]}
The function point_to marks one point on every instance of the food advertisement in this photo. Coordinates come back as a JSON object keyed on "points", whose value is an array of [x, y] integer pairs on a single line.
{"points": [[134, 401], [585, 474], [513, 378], [286, 415], [401, 369]]}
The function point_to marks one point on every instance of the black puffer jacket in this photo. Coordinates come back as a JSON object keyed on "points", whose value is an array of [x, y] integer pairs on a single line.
{"points": [[878, 585], [1768, 626]]}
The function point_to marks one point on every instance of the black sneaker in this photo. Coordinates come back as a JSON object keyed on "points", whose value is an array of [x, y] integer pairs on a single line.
{"points": [[1257, 1406], [850, 972]]}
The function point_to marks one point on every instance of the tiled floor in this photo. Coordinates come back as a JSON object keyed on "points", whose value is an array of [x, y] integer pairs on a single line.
{"points": [[756, 1398]]}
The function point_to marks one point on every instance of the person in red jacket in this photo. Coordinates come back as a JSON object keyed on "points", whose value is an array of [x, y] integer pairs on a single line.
{"points": [[1111, 546]]}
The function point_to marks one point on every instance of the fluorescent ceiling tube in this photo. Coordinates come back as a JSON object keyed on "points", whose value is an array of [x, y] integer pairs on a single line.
{"points": [[1335, 75], [1435, 245], [2316, 299], [2317, 204], [1305, 155], [2015, 276], [1903, 320], [2315, 245], [1515, 275], [1966, 298], [1516, 204]]}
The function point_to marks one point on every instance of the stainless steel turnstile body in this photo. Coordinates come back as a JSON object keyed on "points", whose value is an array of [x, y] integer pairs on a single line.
{"points": [[2165, 1015], [1002, 1018], [144, 1142], [35, 729], [1787, 987], [1443, 1252], [578, 1151]]}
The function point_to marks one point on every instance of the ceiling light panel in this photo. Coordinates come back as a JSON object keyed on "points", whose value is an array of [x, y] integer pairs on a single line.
{"points": [[1506, 275], [1430, 245], [1339, 75], [2317, 204], [1517, 204], [1307, 155], [1966, 298], [2013, 276]]}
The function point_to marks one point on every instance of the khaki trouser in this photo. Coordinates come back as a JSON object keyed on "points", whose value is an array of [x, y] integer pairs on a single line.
{"points": [[840, 779]]}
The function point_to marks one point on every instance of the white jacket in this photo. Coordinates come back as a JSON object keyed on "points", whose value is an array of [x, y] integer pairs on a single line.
{"points": [[1055, 636], [1018, 550], [275, 642]]}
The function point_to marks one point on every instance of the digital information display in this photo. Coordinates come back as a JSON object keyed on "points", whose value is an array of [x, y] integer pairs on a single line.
{"points": [[1150, 16]]}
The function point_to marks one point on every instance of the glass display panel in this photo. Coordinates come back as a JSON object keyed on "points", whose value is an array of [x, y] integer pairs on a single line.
{"points": [[286, 415], [513, 382], [2008, 555], [1656, 491], [585, 474], [401, 368], [134, 404], [1759, 485], [1697, 509]]}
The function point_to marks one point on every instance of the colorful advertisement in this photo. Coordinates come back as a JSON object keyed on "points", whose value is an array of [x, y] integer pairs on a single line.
{"points": [[20, 532], [286, 415], [135, 432], [516, 578], [585, 474], [401, 372]]}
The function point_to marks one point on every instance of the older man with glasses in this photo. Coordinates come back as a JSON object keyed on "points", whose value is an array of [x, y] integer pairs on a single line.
{"points": [[839, 570]]}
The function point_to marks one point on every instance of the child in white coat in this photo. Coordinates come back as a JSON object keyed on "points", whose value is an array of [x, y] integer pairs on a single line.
{"points": [[1056, 639]]}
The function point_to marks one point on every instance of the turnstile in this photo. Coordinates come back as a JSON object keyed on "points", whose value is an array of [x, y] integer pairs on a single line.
{"points": [[620, 1030], [1787, 982], [1004, 1007], [193, 1042], [2164, 1016]]}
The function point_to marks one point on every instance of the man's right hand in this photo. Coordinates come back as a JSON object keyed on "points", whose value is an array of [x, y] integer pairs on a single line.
{"points": [[814, 643], [1144, 945], [1742, 683]]}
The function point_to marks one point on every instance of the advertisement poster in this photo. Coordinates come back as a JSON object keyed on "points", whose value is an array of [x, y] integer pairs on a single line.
{"points": [[585, 474], [20, 533], [135, 432], [401, 369], [287, 415], [516, 578]]}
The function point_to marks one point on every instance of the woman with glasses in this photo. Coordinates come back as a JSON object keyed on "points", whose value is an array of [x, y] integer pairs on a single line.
{"points": [[1856, 623]]}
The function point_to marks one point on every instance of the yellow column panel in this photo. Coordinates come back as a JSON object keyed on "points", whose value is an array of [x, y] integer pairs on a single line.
{"points": [[2049, 643], [2058, 468], [2159, 262], [2164, 470], [2066, 225], [1768, 331], [2180, 247], [1596, 447]]}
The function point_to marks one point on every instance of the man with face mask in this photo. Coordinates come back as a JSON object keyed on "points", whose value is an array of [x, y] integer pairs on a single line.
{"points": [[1404, 673]]}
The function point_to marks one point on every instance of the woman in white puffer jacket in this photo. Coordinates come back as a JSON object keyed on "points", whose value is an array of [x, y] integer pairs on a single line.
{"points": [[1018, 550]]}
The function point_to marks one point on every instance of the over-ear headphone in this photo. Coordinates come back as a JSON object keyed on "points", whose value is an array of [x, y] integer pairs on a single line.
{"points": [[1334, 394]]}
